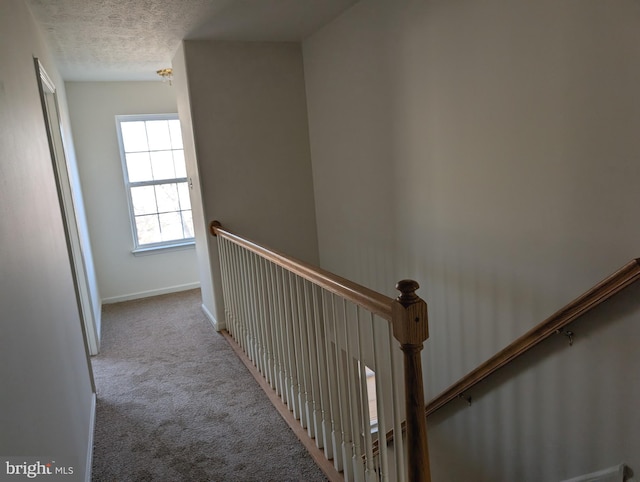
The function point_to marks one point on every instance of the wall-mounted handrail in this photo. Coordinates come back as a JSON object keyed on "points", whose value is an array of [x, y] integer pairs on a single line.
{"points": [[616, 282], [372, 301]]}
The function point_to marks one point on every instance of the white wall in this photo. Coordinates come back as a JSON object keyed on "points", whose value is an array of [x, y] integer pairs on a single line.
{"points": [[489, 150], [200, 223], [249, 118], [121, 275], [47, 401]]}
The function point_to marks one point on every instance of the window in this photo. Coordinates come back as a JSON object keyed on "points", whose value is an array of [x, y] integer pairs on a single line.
{"points": [[372, 401], [155, 177], [371, 395]]}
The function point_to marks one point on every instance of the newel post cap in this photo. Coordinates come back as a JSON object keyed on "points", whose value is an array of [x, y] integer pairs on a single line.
{"points": [[213, 226], [407, 289], [409, 315]]}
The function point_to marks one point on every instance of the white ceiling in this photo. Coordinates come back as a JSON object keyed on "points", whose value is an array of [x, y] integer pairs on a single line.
{"points": [[131, 39]]}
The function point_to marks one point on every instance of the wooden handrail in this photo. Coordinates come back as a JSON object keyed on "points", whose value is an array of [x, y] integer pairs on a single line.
{"points": [[373, 301], [616, 282]]}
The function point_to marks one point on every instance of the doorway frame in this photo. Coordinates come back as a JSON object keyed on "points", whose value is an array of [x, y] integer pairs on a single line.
{"points": [[51, 112]]}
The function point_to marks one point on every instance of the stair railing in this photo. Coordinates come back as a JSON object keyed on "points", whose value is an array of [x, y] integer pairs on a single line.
{"points": [[315, 338]]}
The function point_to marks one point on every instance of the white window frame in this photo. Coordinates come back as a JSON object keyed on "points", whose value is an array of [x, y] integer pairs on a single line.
{"points": [[150, 248]]}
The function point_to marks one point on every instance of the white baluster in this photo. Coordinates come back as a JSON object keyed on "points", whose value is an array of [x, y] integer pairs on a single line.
{"points": [[227, 288], [247, 296], [323, 377], [350, 428], [383, 427], [240, 299], [282, 339], [298, 356], [290, 358], [242, 317], [398, 406], [239, 336], [259, 312], [258, 315], [266, 325], [370, 474], [224, 275], [306, 357], [332, 373], [314, 429], [248, 306], [275, 326], [353, 390]]}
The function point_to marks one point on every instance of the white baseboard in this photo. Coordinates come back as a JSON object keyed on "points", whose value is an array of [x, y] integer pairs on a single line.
{"points": [[92, 429], [147, 294], [218, 326]]}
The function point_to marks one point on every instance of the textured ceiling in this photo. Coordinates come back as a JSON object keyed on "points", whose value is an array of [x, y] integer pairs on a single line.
{"points": [[131, 39]]}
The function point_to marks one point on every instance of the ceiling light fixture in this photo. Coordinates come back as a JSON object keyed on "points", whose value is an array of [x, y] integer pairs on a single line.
{"points": [[166, 74]]}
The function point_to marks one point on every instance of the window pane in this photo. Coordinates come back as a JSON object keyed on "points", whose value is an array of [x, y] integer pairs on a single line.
{"points": [[178, 159], [167, 196], [162, 165], [144, 200], [139, 167], [187, 224], [176, 134], [183, 192], [170, 226], [158, 134], [371, 392], [134, 136], [148, 229]]}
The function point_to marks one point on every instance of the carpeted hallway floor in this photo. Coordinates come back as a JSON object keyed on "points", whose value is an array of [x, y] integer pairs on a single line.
{"points": [[176, 404]]}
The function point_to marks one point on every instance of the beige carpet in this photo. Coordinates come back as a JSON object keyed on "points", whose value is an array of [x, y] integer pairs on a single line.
{"points": [[176, 404]]}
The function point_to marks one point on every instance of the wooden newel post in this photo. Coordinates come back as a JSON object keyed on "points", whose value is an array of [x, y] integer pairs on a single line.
{"points": [[410, 328]]}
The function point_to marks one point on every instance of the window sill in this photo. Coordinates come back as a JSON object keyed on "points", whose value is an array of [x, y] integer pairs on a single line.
{"points": [[163, 249]]}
